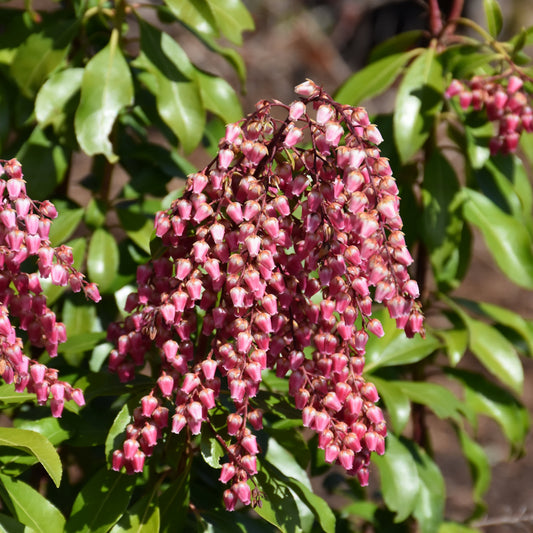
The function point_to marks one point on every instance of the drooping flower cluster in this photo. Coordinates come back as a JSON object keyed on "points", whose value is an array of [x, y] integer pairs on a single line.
{"points": [[24, 229], [509, 106], [272, 259]]}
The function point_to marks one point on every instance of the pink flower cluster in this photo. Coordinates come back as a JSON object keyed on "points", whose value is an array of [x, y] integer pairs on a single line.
{"points": [[272, 259], [24, 229], [509, 106]]}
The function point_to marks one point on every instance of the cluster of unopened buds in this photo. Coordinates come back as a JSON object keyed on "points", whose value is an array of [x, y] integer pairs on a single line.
{"points": [[507, 105], [24, 230], [272, 259]]}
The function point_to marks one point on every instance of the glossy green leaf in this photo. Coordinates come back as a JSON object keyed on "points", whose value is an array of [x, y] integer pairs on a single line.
{"points": [[219, 97], [396, 401], [54, 95], [232, 18], [102, 259], [100, 503], [195, 14], [438, 398], [395, 348], [175, 88], [82, 342], [40, 54], [429, 508], [502, 316], [478, 463], [496, 354], [37, 445], [374, 79], [506, 238], [486, 398], [30, 507], [143, 517], [418, 100], [53, 429], [443, 225], [65, 224], [106, 88], [115, 437], [8, 395], [212, 451], [400, 483], [45, 161], [456, 343], [493, 14], [137, 226]]}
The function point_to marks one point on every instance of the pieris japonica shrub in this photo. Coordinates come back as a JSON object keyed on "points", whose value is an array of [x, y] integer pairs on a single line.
{"points": [[289, 325]]}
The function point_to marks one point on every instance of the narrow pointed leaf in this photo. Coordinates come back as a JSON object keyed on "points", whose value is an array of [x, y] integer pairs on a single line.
{"points": [[456, 342], [55, 93], [373, 79], [219, 97], [400, 482], [496, 354], [506, 238], [102, 259], [195, 14], [396, 401], [106, 88], [37, 445], [174, 501], [232, 18], [418, 100], [30, 507], [493, 14], [100, 503], [143, 517]]}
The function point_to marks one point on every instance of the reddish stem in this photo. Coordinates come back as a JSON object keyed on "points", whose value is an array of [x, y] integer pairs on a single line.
{"points": [[435, 18]]}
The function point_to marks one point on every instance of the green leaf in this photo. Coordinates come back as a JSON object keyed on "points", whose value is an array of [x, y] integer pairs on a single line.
{"points": [[106, 88], [493, 13], [53, 429], [196, 14], [478, 463], [175, 88], [65, 224], [219, 97], [502, 316], [496, 354], [37, 445], [115, 437], [10, 525], [395, 348], [400, 483], [418, 100], [429, 508], [456, 342], [454, 527], [438, 398], [488, 399], [397, 402], [8, 395], [506, 238], [143, 517], [137, 226], [40, 54], [54, 95], [232, 18], [102, 259], [211, 449], [374, 79], [82, 342], [44, 161], [443, 225], [31, 508], [100, 503]]}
